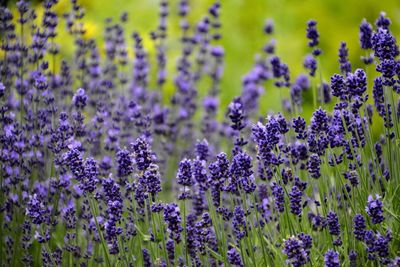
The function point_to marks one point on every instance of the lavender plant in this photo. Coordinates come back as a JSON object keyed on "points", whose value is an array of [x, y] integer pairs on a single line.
{"points": [[97, 169]]}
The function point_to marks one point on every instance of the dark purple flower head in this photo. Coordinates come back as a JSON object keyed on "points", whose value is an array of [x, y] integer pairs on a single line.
{"points": [[331, 259], [91, 175], [297, 251], [299, 126], [202, 149], [359, 227], [234, 258], [283, 125], [374, 209], [23, 8], [295, 201], [365, 34], [239, 223], [319, 121], [170, 246], [69, 215], [172, 218], [217, 51], [142, 154], [310, 64], [200, 173], [378, 246], [318, 222], [74, 161], [236, 114], [378, 95], [219, 170], [345, 66], [241, 173], [353, 177], [384, 45], [353, 258], [146, 258], [2, 89], [279, 197], [338, 86], [357, 82], [382, 21], [36, 210], [114, 204], [214, 9], [314, 166], [269, 26], [185, 176], [41, 82], [276, 66], [124, 163], [269, 47], [80, 99], [312, 33], [152, 179], [388, 69], [210, 104], [333, 223]]}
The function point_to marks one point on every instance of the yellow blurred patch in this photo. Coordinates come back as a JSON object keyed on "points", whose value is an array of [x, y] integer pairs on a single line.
{"points": [[62, 6], [91, 29]]}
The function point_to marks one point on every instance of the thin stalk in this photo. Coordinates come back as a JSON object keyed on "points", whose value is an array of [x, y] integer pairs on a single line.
{"points": [[103, 243]]}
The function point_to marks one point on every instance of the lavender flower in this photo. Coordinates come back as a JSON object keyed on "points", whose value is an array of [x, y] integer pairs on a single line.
{"points": [[152, 180], [353, 258], [299, 126], [338, 86], [236, 114], [295, 201], [184, 176], [90, 180], [297, 251], [279, 196], [114, 203], [365, 35], [384, 45], [173, 220], [234, 257], [331, 259], [334, 227], [310, 64], [142, 154], [202, 149], [312, 33], [382, 21], [125, 163], [239, 223], [345, 65], [359, 227], [241, 174], [313, 166], [36, 210], [374, 209], [80, 99]]}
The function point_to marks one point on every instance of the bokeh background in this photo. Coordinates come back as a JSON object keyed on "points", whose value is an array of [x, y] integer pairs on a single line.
{"points": [[242, 33]]}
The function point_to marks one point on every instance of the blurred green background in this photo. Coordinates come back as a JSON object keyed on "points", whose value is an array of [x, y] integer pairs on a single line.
{"points": [[242, 32]]}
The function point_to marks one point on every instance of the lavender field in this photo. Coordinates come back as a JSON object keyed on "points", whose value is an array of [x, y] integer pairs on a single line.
{"points": [[100, 167]]}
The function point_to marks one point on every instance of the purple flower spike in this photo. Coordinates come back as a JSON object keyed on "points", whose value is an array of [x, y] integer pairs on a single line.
{"points": [[374, 209], [331, 259]]}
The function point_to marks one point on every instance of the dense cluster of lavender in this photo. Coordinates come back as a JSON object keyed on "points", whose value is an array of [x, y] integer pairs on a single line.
{"points": [[96, 167]]}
